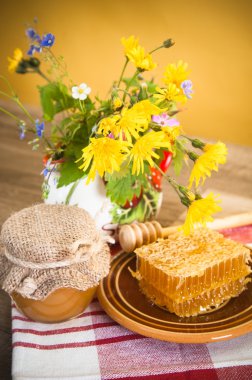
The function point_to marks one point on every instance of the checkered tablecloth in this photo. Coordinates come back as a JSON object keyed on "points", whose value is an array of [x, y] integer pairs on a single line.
{"points": [[93, 347]]}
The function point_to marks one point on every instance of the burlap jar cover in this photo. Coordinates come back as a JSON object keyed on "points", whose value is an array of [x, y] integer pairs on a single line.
{"points": [[47, 247]]}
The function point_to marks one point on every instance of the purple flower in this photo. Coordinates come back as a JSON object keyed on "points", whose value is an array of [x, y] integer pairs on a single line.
{"points": [[164, 120], [39, 128], [34, 48], [187, 88], [47, 40], [22, 130]]}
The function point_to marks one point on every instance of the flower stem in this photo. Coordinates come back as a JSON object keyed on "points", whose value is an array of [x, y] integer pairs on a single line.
{"points": [[171, 180], [7, 95], [82, 107], [129, 84], [152, 51], [9, 114], [71, 191], [42, 75], [16, 99], [123, 70], [8, 84]]}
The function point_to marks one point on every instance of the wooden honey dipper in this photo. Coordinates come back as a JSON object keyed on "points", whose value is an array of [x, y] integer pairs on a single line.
{"points": [[132, 236]]}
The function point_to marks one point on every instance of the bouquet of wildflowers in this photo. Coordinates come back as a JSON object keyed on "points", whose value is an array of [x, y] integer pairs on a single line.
{"points": [[129, 139]]}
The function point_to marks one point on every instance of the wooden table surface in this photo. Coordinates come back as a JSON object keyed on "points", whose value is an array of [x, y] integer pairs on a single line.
{"points": [[20, 184]]}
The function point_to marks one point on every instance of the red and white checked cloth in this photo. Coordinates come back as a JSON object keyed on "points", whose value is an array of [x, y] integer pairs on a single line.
{"points": [[94, 347]]}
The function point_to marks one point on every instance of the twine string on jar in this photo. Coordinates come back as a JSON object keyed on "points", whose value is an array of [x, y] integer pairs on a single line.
{"points": [[80, 256]]}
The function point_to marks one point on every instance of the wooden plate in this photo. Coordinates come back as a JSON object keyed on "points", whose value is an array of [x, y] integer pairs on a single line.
{"points": [[121, 298]]}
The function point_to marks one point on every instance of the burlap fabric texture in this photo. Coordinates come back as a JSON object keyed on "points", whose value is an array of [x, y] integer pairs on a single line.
{"points": [[46, 247]]}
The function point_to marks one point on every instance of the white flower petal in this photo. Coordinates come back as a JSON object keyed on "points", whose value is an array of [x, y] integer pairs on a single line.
{"points": [[82, 96], [83, 86], [88, 90], [75, 92]]}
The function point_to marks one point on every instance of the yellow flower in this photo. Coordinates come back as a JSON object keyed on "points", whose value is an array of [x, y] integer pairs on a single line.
{"points": [[200, 212], [172, 132], [176, 73], [129, 44], [109, 125], [14, 62], [147, 108], [141, 60], [117, 103], [103, 155], [143, 150], [171, 94], [213, 156], [218, 152], [132, 123], [136, 54]]}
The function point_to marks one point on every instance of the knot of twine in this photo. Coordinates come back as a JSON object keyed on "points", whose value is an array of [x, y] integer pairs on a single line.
{"points": [[27, 287], [79, 255]]}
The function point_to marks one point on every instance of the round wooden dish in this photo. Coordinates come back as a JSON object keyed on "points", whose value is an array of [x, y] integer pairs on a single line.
{"points": [[121, 298]]}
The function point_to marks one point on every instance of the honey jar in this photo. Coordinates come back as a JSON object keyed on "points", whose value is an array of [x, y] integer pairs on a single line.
{"points": [[51, 261]]}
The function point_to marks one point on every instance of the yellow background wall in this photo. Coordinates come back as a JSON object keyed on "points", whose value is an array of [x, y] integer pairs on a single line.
{"points": [[214, 37]]}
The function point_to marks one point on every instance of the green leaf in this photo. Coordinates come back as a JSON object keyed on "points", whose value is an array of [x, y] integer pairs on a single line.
{"points": [[178, 157], [129, 81], [122, 189], [151, 86], [54, 98], [69, 173], [146, 209]]}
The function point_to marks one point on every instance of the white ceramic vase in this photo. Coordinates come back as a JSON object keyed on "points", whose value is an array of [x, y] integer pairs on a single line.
{"points": [[92, 198]]}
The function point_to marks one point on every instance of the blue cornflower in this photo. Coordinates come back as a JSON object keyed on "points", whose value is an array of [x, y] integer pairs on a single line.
{"points": [[45, 171], [32, 34], [186, 86], [34, 48], [39, 128], [47, 40]]}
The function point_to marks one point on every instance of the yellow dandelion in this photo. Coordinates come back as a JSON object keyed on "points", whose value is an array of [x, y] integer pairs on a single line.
{"points": [[141, 60], [147, 108], [218, 152], [15, 60], [143, 150], [172, 132], [103, 155], [171, 94], [109, 125], [200, 212], [176, 73], [206, 163], [129, 44], [132, 123]]}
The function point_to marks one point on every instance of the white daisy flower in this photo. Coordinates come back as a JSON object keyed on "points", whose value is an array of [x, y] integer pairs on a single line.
{"points": [[81, 92]]}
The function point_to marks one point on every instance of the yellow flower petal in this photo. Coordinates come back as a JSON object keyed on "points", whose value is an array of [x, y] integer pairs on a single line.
{"points": [[14, 62], [171, 94], [176, 73], [109, 125], [104, 155], [200, 212], [214, 154], [143, 150], [129, 44]]}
